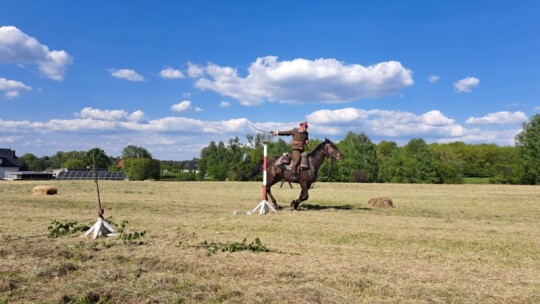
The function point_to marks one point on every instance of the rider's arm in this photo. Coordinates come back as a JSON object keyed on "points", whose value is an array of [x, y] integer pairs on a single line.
{"points": [[287, 133]]}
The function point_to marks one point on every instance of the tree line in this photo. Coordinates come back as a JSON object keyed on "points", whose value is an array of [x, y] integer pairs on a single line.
{"points": [[365, 161], [136, 162], [415, 162]]}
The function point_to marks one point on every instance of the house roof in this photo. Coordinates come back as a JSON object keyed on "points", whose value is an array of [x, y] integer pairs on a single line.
{"points": [[9, 159]]}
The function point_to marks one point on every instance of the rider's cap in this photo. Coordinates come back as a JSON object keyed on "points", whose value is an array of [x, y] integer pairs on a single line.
{"points": [[304, 124]]}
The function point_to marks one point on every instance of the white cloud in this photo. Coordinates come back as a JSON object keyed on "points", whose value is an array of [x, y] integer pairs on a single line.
{"points": [[185, 106], [17, 47], [181, 106], [384, 123], [12, 94], [337, 116], [433, 78], [9, 139], [137, 116], [12, 87], [119, 120], [466, 85], [127, 74], [302, 80], [537, 108], [170, 73], [183, 138], [436, 118], [224, 104], [112, 115], [500, 118], [475, 136], [195, 71]]}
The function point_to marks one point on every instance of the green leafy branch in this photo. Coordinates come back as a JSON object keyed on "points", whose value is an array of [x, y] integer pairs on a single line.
{"points": [[255, 246], [58, 229]]}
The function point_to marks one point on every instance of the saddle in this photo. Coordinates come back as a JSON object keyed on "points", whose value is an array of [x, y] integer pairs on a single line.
{"points": [[284, 162]]}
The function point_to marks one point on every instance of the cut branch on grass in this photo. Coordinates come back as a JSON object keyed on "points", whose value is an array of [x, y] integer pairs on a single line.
{"points": [[255, 246]]}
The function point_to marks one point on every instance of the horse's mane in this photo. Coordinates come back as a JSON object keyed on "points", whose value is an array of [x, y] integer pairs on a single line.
{"points": [[319, 147]]}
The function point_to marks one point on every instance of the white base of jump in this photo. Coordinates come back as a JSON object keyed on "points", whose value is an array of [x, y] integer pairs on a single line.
{"points": [[264, 208], [101, 228]]}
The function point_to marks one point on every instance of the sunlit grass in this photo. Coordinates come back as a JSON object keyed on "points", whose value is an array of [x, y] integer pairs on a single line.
{"points": [[441, 244]]}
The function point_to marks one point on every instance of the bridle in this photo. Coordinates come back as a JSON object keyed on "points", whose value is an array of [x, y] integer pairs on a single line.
{"points": [[330, 151]]}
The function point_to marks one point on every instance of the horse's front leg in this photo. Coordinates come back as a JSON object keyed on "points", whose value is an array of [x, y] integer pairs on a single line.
{"points": [[269, 193], [304, 195], [272, 181]]}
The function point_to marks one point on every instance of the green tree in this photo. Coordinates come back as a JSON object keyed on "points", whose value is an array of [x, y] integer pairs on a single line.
{"points": [[278, 147], [132, 151], [75, 164], [97, 155], [448, 163], [237, 166], [360, 163], [420, 164], [385, 150], [392, 169], [413, 163], [507, 167], [60, 158], [215, 161], [33, 162], [142, 168], [528, 142]]}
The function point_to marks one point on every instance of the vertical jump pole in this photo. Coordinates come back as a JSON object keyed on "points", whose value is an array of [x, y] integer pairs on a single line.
{"points": [[264, 205], [265, 159], [100, 209], [102, 227]]}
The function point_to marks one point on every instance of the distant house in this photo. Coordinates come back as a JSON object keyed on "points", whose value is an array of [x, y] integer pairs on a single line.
{"points": [[27, 175], [121, 164], [8, 162]]}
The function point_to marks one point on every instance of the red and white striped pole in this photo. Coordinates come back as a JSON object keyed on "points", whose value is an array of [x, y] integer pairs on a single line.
{"points": [[265, 153], [264, 205]]}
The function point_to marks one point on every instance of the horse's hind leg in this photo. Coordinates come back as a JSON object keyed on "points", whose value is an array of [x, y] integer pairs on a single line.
{"points": [[304, 195]]}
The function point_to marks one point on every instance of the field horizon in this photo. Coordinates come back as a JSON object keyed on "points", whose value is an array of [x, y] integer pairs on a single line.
{"points": [[187, 242]]}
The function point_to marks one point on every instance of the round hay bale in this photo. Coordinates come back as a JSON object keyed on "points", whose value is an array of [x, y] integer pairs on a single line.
{"points": [[381, 202], [45, 190]]}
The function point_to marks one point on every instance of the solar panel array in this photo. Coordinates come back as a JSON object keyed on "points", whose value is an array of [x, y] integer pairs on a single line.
{"points": [[101, 175]]}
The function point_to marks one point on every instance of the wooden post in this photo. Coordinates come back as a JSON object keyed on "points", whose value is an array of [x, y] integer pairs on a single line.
{"points": [[101, 227]]}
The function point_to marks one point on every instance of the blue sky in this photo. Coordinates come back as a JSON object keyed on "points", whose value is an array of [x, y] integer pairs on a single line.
{"points": [[171, 76]]}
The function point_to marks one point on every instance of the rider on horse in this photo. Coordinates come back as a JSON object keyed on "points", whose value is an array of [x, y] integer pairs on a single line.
{"points": [[299, 141]]}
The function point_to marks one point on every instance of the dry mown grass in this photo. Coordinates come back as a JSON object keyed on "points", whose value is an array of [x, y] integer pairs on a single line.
{"points": [[441, 244]]}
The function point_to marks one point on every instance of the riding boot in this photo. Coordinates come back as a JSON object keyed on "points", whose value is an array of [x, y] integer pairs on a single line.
{"points": [[294, 176]]}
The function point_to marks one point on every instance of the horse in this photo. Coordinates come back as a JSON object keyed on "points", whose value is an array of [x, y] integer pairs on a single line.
{"points": [[306, 178]]}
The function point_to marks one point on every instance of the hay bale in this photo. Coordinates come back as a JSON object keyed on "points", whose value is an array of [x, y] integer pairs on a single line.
{"points": [[45, 190], [381, 202]]}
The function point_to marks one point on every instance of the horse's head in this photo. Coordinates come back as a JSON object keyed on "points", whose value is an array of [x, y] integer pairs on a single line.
{"points": [[330, 150]]}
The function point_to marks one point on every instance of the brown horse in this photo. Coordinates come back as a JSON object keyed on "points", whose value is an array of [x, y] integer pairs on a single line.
{"points": [[306, 177]]}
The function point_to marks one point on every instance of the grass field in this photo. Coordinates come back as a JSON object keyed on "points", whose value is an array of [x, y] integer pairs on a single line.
{"points": [[440, 244], [476, 180]]}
